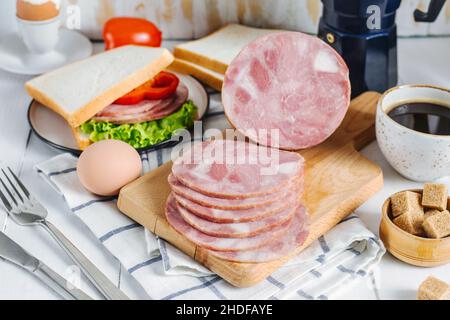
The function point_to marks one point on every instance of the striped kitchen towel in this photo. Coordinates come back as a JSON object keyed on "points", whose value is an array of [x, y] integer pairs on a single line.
{"points": [[349, 251]]}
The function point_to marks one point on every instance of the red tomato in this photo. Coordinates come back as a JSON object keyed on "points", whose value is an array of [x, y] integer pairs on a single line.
{"points": [[160, 87], [122, 31]]}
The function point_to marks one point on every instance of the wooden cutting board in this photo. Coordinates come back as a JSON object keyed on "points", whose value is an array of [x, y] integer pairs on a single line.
{"points": [[338, 179]]}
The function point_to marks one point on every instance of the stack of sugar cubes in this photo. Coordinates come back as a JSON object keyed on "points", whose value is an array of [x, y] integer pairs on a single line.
{"points": [[425, 214]]}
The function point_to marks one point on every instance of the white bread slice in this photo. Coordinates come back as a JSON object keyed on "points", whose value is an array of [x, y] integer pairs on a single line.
{"points": [[81, 139], [80, 90], [207, 76], [217, 50]]}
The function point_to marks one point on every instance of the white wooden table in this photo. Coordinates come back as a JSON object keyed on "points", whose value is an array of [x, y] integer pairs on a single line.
{"points": [[420, 61]]}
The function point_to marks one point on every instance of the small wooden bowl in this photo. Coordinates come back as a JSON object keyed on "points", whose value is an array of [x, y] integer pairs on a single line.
{"points": [[418, 251]]}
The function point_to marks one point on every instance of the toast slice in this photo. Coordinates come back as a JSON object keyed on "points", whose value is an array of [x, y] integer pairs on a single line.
{"points": [[216, 51], [209, 77], [81, 139], [80, 90]]}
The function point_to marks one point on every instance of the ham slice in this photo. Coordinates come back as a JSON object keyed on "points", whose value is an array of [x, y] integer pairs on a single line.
{"points": [[280, 247], [180, 190], [201, 239], [236, 169], [244, 215], [289, 82], [238, 229], [143, 106], [145, 111], [181, 95]]}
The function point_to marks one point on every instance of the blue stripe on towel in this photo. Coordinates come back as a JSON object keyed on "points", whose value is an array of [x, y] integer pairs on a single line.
{"points": [[345, 270], [361, 273], [323, 244], [201, 286], [303, 294], [117, 231], [144, 264], [159, 157], [354, 251], [214, 289], [57, 173], [275, 282], [374, 239], [316, 273], [89, 203], [321, 259]]}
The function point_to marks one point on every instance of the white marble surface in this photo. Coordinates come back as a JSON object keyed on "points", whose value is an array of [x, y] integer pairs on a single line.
{"points": [[420, 61]]}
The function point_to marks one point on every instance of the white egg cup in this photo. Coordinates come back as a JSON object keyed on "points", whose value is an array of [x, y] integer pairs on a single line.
{"points": [[40, 37], [415, 155]]}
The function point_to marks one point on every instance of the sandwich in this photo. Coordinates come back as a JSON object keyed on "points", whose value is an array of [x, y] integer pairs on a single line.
{"points": [[124, 94]]}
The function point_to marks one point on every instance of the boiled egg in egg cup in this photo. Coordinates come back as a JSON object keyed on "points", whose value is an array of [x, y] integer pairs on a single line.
{"points": [[39, 24]]}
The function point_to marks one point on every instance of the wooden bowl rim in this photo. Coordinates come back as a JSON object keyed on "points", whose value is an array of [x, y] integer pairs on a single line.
{"points": [[386, 217]]}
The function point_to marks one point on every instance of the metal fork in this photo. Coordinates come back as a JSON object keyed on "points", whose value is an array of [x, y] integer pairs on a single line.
{"points": [[25, 210]]}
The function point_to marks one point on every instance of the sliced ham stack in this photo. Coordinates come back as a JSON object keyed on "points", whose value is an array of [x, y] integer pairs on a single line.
{"points": [[240, 201]]}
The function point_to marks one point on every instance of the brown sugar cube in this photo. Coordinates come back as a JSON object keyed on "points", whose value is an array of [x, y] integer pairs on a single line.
{"points": [[411, 222], [435, 196], [406, 201], [430, 213], [433, 289], [437, 226]]}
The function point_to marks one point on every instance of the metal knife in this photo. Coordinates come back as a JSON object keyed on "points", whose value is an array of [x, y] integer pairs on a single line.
{"points": [[14, 253]]}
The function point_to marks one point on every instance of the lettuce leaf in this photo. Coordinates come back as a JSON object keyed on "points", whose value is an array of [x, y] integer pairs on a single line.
{"points": [[141, 135]]}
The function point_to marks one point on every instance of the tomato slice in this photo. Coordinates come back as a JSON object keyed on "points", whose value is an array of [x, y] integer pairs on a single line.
{"points": [[160, 87], [121, 31], [163, 86]]}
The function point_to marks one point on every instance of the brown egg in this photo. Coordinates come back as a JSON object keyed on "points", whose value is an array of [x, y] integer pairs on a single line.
{"points": [[106, 166], [37, 10]]}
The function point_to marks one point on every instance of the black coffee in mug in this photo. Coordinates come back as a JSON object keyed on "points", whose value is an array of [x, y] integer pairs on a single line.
{"points": [[425, 117]]}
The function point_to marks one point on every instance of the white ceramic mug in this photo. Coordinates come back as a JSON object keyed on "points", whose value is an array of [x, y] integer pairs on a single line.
{"points": [[40, 37], [415, 155]]}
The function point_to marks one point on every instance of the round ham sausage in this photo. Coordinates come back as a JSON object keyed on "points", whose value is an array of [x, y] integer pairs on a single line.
{"points": [[201, 239], [236, 169], [204, 200], [287, 90], [280, 247]]}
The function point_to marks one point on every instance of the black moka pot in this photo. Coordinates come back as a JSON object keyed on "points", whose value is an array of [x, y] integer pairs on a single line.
{"points": [[364, 33]]}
